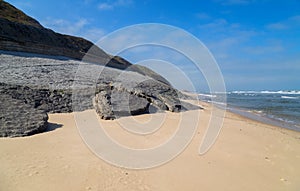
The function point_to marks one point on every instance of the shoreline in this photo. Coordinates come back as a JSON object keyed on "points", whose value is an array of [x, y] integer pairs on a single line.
{"points": [[263, 119], [249, 113]]}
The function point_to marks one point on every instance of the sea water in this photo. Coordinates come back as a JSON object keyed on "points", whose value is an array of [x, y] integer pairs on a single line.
{"points": [[281, 108]]}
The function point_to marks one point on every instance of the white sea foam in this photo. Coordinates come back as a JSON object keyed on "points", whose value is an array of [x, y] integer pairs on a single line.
{"points": [[292, 92], [257, 111], [207, 95], [289, 97], [217, 103], [243, 92]]}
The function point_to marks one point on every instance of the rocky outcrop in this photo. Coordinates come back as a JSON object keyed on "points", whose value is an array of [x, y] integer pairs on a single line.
{"points": [[102, 105], [20, 119], [46, 83], [114, 104], [49, 85], [55, 80], [50, 101]]}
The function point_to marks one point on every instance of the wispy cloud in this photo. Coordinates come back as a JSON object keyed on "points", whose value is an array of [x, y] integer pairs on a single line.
{"points": [[223, 37], [267, 49], [289, 23], [110, 5], [65, 26], [253, 51], [93, 34], [216, 25], [87, 1], [105, 6], [277, 26], [202, 16], [78, 28], [220, 26], [258, 71]]}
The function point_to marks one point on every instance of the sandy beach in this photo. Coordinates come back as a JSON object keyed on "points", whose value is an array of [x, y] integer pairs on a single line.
{"points": [[247, 155]]}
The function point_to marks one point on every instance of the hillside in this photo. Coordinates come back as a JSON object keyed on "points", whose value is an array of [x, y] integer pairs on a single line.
{"points": [[12, 14], [19, 32]]}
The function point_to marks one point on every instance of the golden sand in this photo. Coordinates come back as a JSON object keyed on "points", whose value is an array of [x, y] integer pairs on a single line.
{"points": [[247, 155]]}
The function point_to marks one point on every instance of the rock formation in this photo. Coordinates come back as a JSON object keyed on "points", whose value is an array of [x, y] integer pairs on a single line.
{"points": [[20, 119], [50, 85], [55, 80]]}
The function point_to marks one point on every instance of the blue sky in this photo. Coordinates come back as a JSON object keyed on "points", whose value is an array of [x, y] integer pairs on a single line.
{"points": [[255, 42]]}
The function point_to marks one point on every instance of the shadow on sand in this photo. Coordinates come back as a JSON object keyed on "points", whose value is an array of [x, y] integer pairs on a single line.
{"points": [[52, 127]]}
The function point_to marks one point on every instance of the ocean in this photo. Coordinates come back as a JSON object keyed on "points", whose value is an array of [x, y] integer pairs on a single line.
{"points": [[280, 108]]}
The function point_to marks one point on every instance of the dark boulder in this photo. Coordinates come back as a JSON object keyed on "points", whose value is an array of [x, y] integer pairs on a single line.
{"points": [[19, 119]]}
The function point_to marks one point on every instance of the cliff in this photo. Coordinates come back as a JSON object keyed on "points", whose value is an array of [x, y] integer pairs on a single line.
{"points": [[19, 32]]}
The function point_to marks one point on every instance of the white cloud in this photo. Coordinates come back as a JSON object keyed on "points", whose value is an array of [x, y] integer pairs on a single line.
{"points": [[262, 73], [110, 5], [93, 34], [219, 27], [224, 38], [78, 28], [216, 24], [64, 26], [289, 23], [175, 75], [105, 6]]}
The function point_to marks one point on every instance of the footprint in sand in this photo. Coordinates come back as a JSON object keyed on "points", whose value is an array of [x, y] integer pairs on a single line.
{"points": [[284, 180], [33, 173], [267, 159]]}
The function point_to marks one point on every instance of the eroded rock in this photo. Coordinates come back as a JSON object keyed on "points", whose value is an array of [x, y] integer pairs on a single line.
{"points": [[55, 86], [19, 119]]}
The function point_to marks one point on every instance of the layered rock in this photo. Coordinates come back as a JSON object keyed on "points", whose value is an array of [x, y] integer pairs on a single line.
{"points": [[51, 85], [115, 104], [55, 80], [20, 119]]}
